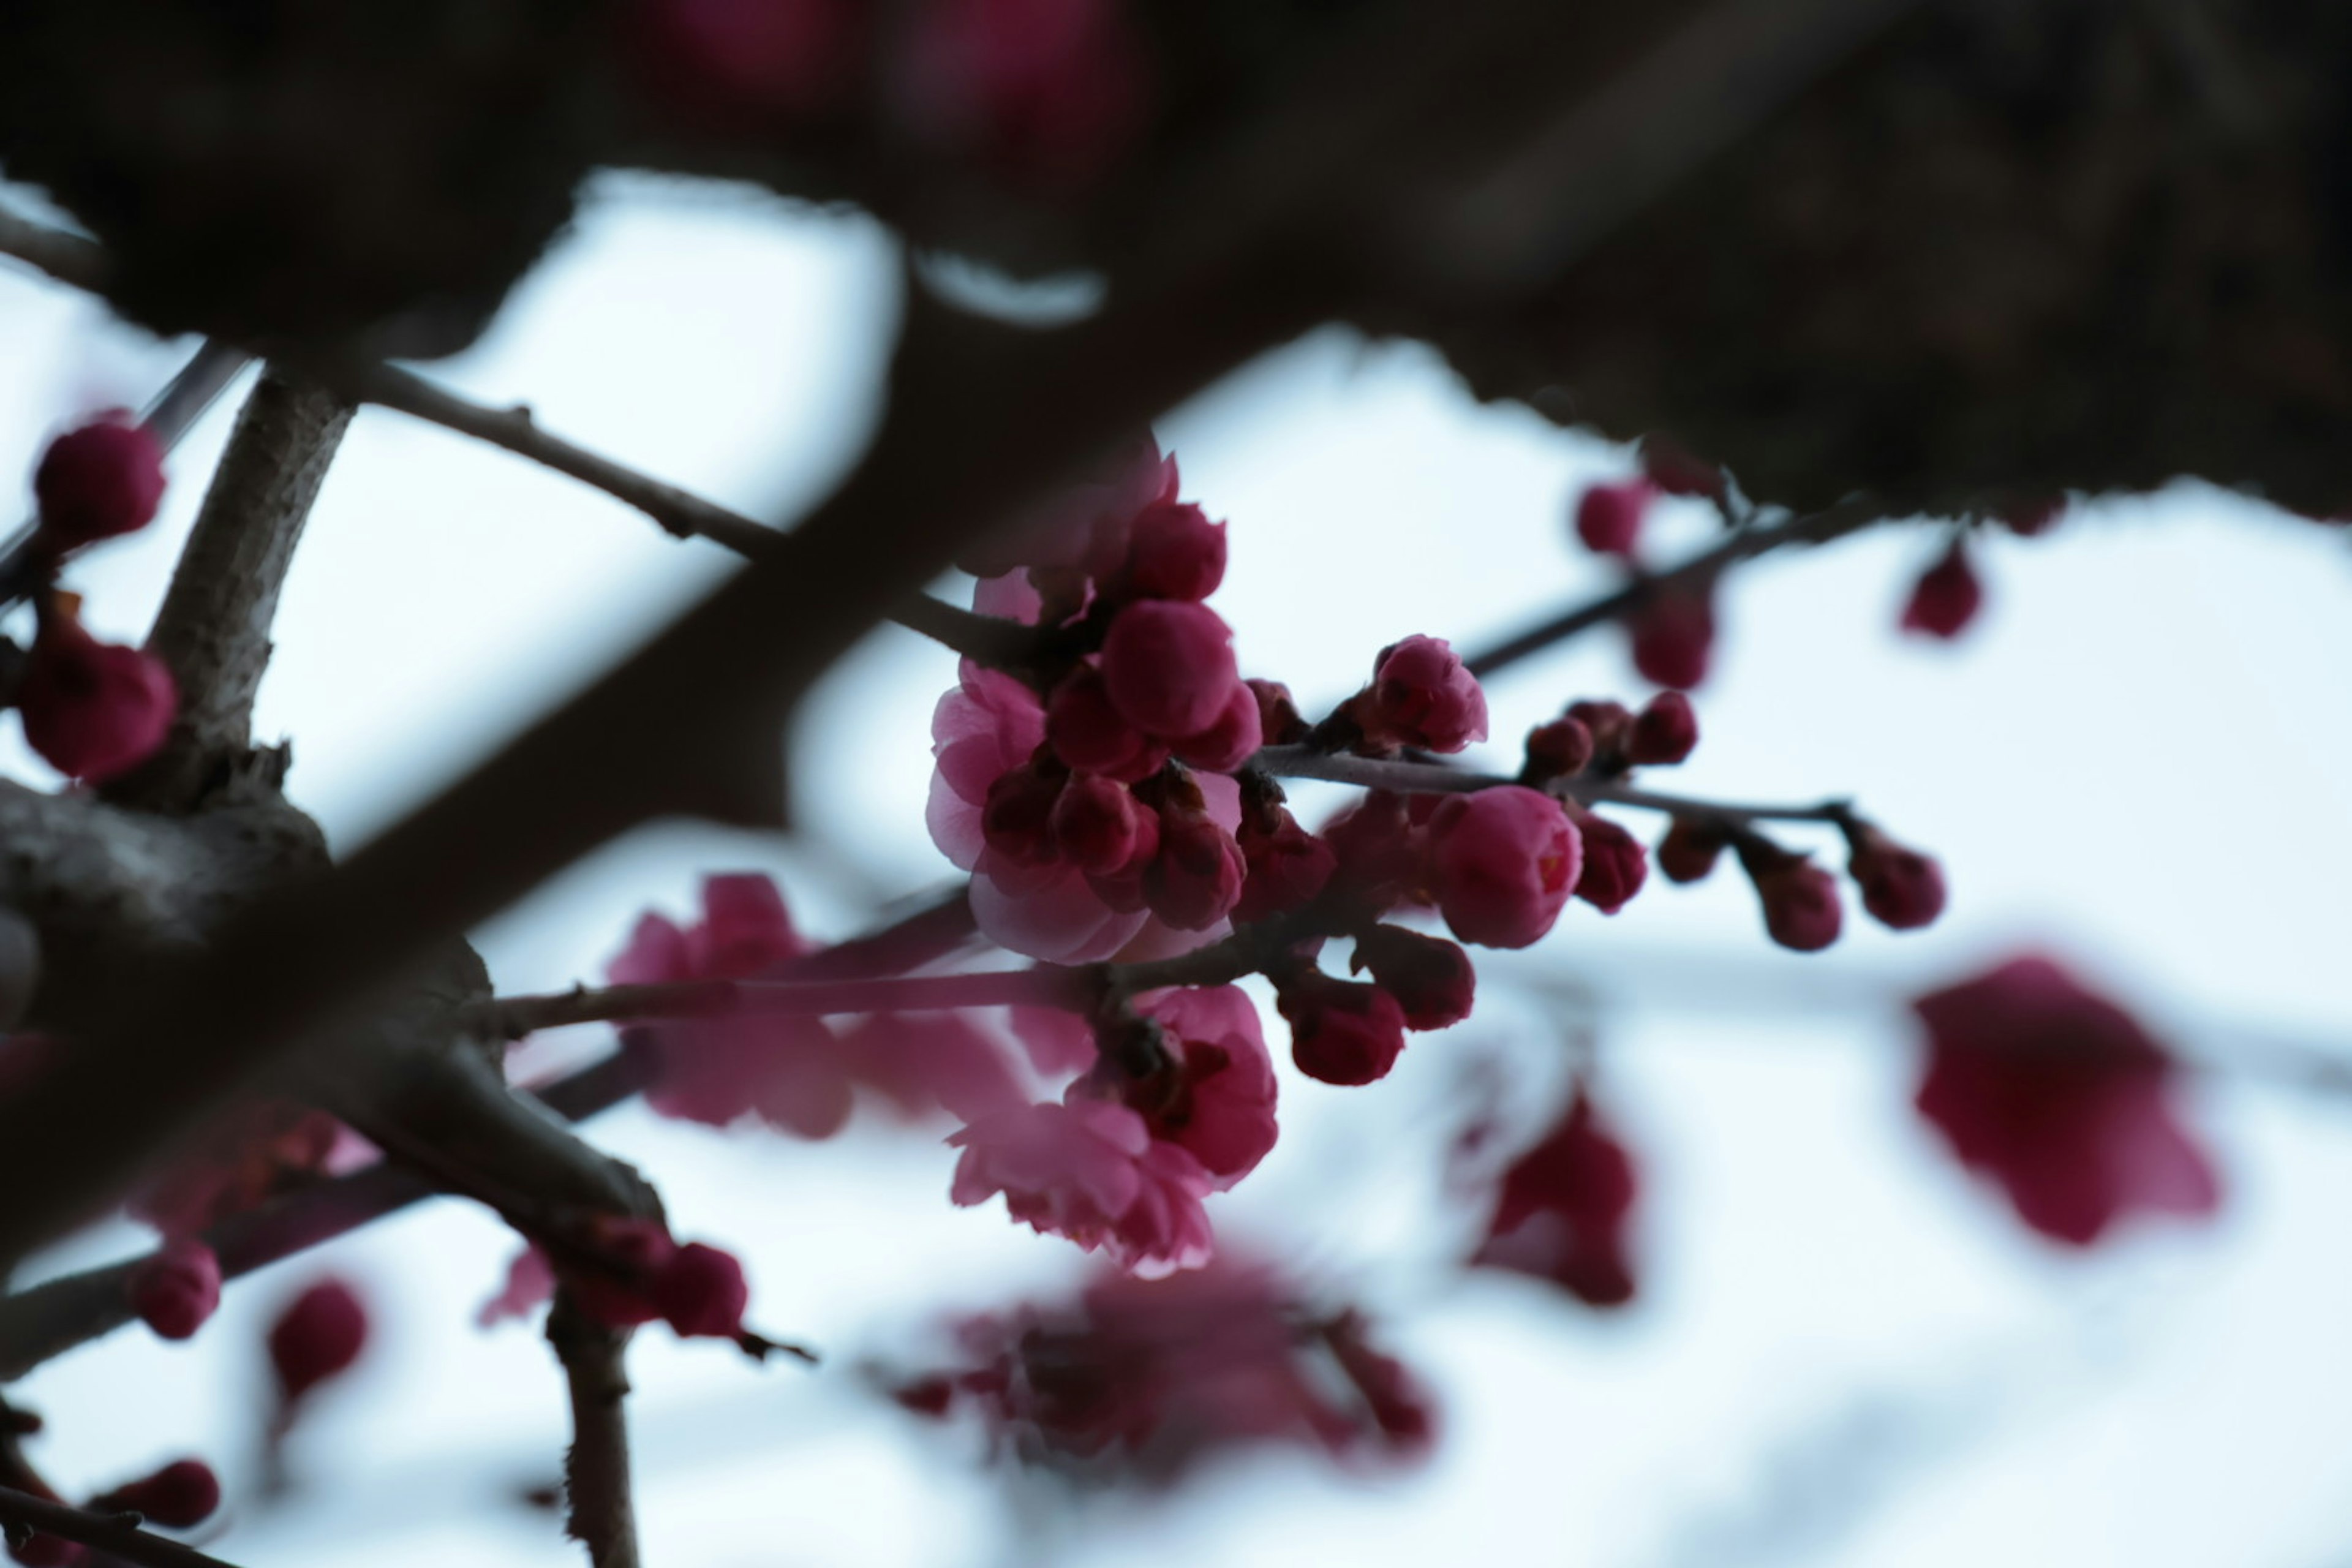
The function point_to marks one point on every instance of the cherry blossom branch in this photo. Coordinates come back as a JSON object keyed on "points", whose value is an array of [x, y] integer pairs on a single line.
{"points": [[1696, 574], [212, 630], [113, 1534], [602, 1516], [1435, 778], [678, 512], [49, 1318]]}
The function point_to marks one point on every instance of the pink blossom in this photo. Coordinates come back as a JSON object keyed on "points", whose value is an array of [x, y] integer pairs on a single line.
{"points": [[1090, 1170], [700, 1292], [1421, 695], [1690, 848], [317, 1336], [984, 729], [1562, 1210], [1946, 597], [1217, 1101], [1902, 889], [1801, 910], [1616, 866], [1432, 979], [177, 1289], [926, 1061], [1608, 517], [1382, 853], [181, 1495], [92, 709], [100, 480], [1196, 878], [1559, 750], [1169, 666], [1232, 739], [1503, 862], [2062, 1097], [1051, 91], [529, 1285], [1611, 725], [1665, 731], [1341, 1031], [1058, 1042], [1674, 637], [1016, 820], [1174, 551], [1090, 734], [787, 1070], [1100, 828], [1286, 868]]}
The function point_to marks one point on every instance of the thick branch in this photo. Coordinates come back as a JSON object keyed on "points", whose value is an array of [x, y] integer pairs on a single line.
{"points": [[596, 1468], [213, 629], [1697, 575], [108, 1533]]}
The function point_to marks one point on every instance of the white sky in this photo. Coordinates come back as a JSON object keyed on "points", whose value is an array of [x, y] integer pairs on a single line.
{"points": [[1844, 1353]]}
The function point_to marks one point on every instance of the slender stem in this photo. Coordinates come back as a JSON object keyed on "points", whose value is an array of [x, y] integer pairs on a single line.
{"points": [[987, 638], [1046, 986], [1433, 778], [1696, 574], [602, 1515], [108, 1533]]}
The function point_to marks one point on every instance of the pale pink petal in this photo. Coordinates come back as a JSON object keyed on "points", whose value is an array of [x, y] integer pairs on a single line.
{"points": [[1063, 922], [531, 1281]]}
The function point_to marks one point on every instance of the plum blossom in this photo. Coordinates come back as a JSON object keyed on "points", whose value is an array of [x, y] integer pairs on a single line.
{"points": [[1665, 731], [1800, 900], [100, 480], [1503, 862], [1902, 889], [1432, 980], [1216, 1099], [1091, 1172], [1423, 695], [1608, 517], [1616, 866], [2062, 1097], [786, 1070], [1169, 666], [1562, 1212], [177, 1289], [1341, 1031], [1946, 597], [93, 711]]}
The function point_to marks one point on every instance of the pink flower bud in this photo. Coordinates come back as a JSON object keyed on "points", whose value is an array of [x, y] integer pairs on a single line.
{"points": [[1666, 731], [1174, 551], [1503, 862], [1421, 695], [1608, 518], [1380, 850], [1286, 868], [1087, 732], [319, 1336], [1101, 828], [92, 709], [1676, 471], [1610, 725], [1018, 818], [104, 479], [1946, 598], [179, 1496], [1196, 878], [1341, 1031], [1169, 666], [1673, 638], [1278, 719], [1431, 978], [177, 1289], [1690, 848], [1614, 864], [1229, 743], [700, 1292], [1902, 889], [1800, 900], [1559, 750]]}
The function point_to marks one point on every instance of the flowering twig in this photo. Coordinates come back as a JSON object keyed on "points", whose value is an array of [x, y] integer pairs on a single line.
{"points": [[1435, 778], [113, 1534], [602, 1517], [1697, 572]]}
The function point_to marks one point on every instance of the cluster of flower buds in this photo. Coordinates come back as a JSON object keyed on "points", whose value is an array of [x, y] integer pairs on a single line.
{"points": [[1043, 93], [1139, 1380], [1902, 889], [1671, 631], [92, 709]]}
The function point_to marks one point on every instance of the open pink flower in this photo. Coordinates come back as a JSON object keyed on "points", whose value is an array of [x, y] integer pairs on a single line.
{"points": [[1090, 1170], [1503, 862], [1217, 1101], [2060, 1096], [1562, 1210], [786, 1070]]}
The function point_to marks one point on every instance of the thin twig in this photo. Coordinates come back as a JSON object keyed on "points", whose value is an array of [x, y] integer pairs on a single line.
{"points": [[1046, 986], [1433, 778], [110, 1534], [1697, 573], [602, 1515]]}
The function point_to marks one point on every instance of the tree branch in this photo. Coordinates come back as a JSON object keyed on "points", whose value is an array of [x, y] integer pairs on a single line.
{"points": [[108, 1533], [596, 1468], [1435, 778], [1698, 573], [213, 629], [1045, 985]]}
